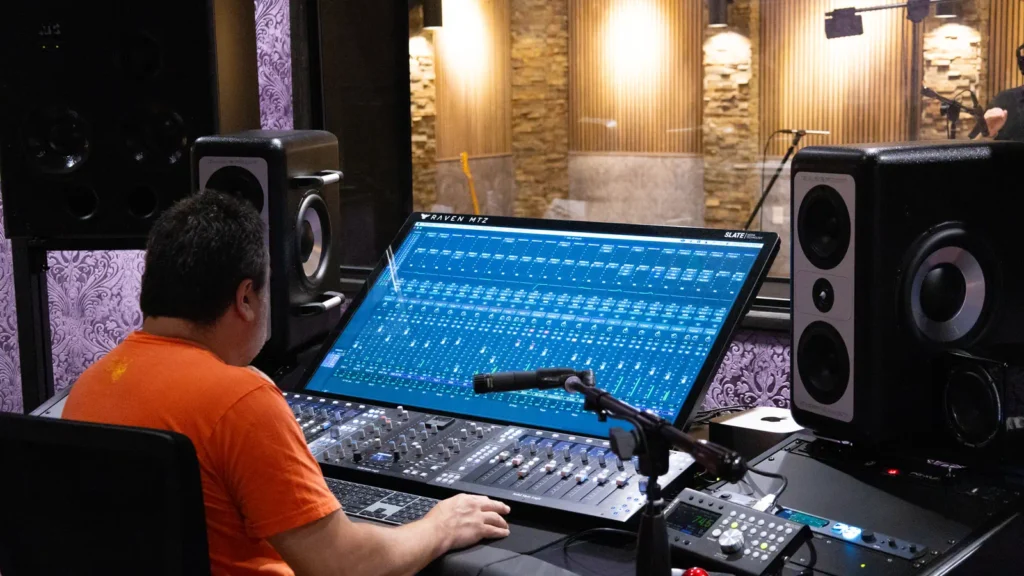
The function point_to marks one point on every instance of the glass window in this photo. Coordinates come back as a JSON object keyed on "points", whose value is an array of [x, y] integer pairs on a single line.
{"points": [[680, 112]]}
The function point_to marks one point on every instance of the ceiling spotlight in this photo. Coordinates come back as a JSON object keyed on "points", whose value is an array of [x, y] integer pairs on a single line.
{"points": [[948, 9], [917, 10], [718, 13], [432, 14], [843, 22]]}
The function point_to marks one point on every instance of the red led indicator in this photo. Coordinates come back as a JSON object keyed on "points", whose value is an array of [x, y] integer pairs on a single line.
{"points": [[892, 472]]}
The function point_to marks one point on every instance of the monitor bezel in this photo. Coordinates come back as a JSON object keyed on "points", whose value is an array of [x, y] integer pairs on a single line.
{"points": [[758, 272]]}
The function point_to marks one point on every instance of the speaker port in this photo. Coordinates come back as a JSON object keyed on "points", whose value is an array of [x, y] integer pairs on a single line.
{"points": [[81, 202], [823, 362], [823, 227], [142, 202]]}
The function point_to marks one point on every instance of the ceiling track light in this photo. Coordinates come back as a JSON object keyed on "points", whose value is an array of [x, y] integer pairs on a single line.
{"points": [[844, 22]]}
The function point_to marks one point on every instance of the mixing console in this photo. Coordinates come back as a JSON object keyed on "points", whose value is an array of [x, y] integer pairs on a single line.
{"points": [[442, 455]]}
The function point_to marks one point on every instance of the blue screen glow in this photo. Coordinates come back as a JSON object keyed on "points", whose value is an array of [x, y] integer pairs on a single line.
{"points": [[455, 300]]}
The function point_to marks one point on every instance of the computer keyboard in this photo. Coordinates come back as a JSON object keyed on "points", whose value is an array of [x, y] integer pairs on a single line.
{"points": [[361, 501]]}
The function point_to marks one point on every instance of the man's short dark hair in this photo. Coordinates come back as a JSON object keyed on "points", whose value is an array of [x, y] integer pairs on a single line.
{"points": [[197, 254]]}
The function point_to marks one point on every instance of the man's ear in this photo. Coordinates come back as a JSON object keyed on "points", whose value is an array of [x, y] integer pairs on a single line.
{"points": [[246, 300]]}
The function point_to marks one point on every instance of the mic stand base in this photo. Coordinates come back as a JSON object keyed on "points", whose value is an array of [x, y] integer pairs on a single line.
{"points": [[653, 557]]}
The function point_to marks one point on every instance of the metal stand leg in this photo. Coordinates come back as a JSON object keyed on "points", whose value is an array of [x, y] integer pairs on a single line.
{"points": [[33, 310]]}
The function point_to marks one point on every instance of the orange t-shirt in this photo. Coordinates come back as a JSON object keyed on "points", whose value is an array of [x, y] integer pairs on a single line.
{"points": [[259, 478]]}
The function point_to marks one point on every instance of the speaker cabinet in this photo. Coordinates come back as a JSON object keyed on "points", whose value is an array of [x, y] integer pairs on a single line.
{"points": [[908, 281], [292, 178], [100, 102]]}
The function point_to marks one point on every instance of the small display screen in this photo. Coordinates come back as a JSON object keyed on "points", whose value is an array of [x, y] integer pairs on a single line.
{"points": [[802, 518], [692, 520]]}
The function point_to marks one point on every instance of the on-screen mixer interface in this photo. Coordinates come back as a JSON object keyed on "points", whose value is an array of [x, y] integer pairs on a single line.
{"points": [[456, 300]]}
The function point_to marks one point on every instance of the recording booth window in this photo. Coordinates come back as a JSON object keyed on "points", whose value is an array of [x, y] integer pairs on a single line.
{"points": [[680, 113]]}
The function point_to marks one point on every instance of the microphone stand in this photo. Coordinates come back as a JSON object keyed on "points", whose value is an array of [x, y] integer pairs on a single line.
{"points": [[651, 441], [797, 136]]}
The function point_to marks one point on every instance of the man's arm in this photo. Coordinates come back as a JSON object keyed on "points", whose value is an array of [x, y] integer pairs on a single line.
{"points": [[335, 545]]}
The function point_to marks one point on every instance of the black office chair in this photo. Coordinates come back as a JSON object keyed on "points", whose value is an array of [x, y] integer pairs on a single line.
{"points": [[93, 499]]}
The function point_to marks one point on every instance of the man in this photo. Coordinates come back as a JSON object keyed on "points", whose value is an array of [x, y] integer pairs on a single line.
{"points": [[1003, 116], [268, 510]]}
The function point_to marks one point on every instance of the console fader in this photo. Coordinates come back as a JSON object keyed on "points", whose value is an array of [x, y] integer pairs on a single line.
{"points": [[441, 455]]}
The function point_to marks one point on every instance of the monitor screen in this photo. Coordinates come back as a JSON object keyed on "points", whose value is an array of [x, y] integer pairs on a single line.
{"points": [[452, 300]]}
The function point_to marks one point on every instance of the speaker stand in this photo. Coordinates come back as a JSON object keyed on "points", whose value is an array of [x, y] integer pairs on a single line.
{"points": [[33, 312]]}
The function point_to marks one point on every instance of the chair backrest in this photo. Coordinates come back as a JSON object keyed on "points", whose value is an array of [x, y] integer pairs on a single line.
{"points": [[95, 499]]}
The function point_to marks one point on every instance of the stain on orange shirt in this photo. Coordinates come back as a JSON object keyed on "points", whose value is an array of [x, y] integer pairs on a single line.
{"points": [[259, 478]]}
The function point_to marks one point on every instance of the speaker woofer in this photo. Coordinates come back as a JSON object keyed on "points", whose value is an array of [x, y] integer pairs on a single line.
{"points": [[313, 238], [972, 406], [947, 294], [823, 361], [238, 182], [156, 137], [823, 227], [58, 140]]}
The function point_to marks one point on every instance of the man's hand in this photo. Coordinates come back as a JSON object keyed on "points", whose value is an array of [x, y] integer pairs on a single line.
{"points": [[995, 118], [466, 519]]}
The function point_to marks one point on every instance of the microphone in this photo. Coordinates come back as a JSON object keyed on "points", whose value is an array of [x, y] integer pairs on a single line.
{"points": [[805, 132], [544, 379]]}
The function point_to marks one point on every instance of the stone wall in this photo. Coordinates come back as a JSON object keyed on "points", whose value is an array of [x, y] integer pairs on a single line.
{"points": [[955, 58], [423, 92], [540, 103], [641, 189], [731, 117]]}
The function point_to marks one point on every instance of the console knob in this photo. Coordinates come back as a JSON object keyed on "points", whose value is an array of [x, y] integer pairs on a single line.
{"points": [[402, 439], [347, 442], [392, 446], [433, 428], [336, 414], [357, 455], [515, 444], [731, 541], [600, 459], [533, 446], [440, 448], [423, 435], [450, 442], [335, 432], [479, 432], [423, 426], [382, 419], [619, 464], [403, 413], [565, 454], [549, 451], [376, 432], [455, 447], [297, 409], [404, 447], [419, 451], [361, 434], [867, 536], [388, 425], [584, 457], [447, 455], [376, 443], [464, 434], [369, 428]]}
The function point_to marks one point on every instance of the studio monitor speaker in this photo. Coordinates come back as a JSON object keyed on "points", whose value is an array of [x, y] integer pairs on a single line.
{"points": [[100, 102], [908, 294], [292, 179]]}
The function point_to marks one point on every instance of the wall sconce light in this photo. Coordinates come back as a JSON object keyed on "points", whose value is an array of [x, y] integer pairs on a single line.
{"points": [[949, 9], [432, 14], [718, 13]]}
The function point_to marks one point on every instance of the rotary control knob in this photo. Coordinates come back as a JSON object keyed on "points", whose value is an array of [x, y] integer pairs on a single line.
{"points": [[533, 446], [392, 446], [388, 425], [419, 451], [600, 459], [450, 442], [565, 454], [584, 457], [456, 447], [549, 451], [423, 426], [464, 433], [376, 443], [731, 541], [423, 436]]}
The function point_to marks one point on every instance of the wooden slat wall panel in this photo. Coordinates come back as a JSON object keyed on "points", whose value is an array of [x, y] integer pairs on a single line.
{"points": [[636, 76], [1006, 29], [474, 92], [857, 87]]}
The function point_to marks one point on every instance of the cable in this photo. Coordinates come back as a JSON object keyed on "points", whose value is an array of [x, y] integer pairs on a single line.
{"points": [[778, 493], [706, 415]]}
